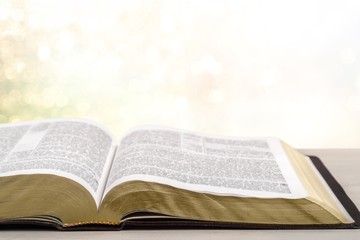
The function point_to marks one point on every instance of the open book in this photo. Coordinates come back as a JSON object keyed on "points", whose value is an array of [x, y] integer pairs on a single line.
{"points": [[73, 174]]}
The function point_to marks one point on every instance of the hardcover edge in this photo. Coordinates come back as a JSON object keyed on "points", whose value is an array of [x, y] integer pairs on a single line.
{"points": [[338, 190]]}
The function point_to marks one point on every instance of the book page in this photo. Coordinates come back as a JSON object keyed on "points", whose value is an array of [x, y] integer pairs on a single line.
{"points": [[76, 149], [251, 167]]}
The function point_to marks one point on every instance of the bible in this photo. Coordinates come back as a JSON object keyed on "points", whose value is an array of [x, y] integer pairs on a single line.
{"points": [[73, 174]]}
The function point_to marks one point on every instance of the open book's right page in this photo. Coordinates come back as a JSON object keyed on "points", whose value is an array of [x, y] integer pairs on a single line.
{"points": [[250, 167]]}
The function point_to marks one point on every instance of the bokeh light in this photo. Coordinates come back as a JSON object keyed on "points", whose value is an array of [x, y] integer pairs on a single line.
{"points": [[289, 69]]}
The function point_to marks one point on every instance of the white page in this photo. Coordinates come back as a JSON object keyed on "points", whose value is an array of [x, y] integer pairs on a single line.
{"points": [[253, 167], [77, 149]]}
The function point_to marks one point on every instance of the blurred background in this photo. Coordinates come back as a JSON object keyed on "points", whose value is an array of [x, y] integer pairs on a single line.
{"points": [[289, 69]]}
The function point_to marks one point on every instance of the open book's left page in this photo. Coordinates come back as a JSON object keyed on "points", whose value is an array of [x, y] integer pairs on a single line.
{"points": [[77, 149]]}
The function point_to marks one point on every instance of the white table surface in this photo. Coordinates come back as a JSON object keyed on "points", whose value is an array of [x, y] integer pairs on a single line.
{"points": [[343, 163]]}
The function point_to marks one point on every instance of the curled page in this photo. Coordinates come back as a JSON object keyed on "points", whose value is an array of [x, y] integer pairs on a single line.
{"points": [[250, 167], [77, 149]]}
